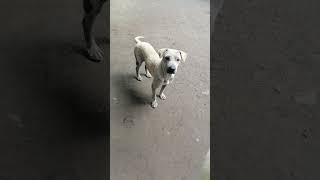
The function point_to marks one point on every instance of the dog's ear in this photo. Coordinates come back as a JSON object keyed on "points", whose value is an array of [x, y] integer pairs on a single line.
{"points": [[161, 52], [183, 55]]}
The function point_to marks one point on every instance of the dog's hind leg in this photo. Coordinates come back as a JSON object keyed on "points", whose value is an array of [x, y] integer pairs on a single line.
{"points": [[148, 75], [138, 65]]}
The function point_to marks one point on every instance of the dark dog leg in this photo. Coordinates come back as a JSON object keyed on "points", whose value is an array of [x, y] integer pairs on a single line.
{"points": [[92, 8]]}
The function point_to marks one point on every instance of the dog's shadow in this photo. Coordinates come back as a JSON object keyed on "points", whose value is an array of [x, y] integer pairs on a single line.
{"points": [[133, 91]]}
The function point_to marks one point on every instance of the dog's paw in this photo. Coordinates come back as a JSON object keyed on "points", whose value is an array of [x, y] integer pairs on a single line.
{"points": [[162, 96], [154, 104], [148, 75], [139, 78]]}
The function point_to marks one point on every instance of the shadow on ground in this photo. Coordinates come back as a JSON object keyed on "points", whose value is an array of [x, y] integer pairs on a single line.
{"points": [[133, 90]]}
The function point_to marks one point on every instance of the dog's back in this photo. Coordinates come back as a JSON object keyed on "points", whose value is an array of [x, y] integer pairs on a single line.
{"points": [[145, 52]]}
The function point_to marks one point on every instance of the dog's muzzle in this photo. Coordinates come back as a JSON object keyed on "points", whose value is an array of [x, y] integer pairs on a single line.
{"points": [[171, 70]]}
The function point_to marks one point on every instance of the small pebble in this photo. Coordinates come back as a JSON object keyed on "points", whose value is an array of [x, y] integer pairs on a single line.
{"points": [[17, 119], [306, 133], [207, 92], [128, 121], [276, 89], [306, 98], [115, 100]]}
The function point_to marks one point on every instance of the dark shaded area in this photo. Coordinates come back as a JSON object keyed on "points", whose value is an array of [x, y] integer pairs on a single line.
{"points": [[129, 85], [54, 108], [265, 83]]}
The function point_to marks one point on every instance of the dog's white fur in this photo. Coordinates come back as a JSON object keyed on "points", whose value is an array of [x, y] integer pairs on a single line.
{"points": [[161, 65]]}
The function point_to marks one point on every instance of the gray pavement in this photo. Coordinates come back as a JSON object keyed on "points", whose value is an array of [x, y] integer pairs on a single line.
{"points": [[171, 141]]}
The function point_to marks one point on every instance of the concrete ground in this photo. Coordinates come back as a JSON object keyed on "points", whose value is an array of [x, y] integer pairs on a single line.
{"points": [[171, 141], [53, 103]]}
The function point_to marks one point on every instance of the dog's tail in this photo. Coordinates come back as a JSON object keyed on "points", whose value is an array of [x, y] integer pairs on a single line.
{"points": [[137, 39]]}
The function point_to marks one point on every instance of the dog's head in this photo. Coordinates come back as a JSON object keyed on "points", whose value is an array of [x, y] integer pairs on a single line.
{"points": [[171, 58]]}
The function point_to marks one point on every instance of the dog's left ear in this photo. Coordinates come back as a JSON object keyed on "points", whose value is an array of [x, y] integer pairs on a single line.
{"points": [[183, 55], [161, 52]]}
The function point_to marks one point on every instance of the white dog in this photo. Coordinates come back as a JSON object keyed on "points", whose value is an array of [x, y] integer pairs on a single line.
{"points": [[162, 66]]}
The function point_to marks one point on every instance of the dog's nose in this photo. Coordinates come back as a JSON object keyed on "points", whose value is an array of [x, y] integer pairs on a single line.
{"points": [[171, 70]]}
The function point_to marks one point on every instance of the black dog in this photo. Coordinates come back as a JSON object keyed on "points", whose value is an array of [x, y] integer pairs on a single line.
{"points": [[92, 8]]}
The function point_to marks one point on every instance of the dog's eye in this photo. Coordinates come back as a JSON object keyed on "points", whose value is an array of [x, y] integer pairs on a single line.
{"points": [[178, 59], [167, 58]]}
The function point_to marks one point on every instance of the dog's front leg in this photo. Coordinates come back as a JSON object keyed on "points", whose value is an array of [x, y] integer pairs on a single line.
{"points": [[155, 85], [161, 95]]}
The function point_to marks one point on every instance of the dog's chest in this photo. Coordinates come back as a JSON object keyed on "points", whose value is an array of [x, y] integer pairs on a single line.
{"points": [[167, 79]]}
